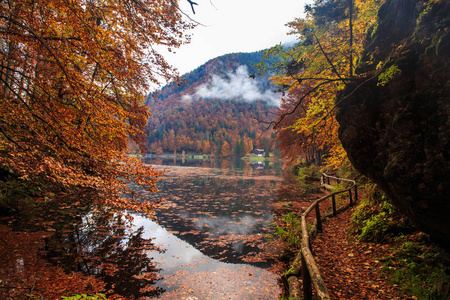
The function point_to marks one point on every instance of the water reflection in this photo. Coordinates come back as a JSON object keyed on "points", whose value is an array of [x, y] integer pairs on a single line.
{"points": [[103, 244], [215, 219], [224, 214], [187, 271], [260, 165], [209, 242], [226, 164]]}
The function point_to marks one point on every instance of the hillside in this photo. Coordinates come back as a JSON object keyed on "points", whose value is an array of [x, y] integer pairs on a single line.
{"points": [[215, 111]]}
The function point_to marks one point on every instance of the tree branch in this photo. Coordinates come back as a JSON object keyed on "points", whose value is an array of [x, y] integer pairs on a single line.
{"points": [[302, 98], [329, 60], [348, 95]]}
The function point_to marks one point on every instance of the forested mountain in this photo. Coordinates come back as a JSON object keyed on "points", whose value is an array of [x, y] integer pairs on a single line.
{"points": [[215, 111], [220, 66]]}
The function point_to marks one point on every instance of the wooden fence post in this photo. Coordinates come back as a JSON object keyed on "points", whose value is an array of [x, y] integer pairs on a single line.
{"points": [[318, 218], [333, 201], [314, 278], [306, 277]]}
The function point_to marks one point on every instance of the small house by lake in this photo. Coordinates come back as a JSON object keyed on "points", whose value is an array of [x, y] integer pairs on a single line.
{"points": [[259, 152]]}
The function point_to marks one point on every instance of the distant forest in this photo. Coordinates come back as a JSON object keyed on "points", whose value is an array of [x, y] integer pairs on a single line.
{"points": [[210, 125], [220, 128]]}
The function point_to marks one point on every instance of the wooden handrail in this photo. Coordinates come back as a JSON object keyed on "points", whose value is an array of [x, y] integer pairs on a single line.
{"points": [[310, 271]]}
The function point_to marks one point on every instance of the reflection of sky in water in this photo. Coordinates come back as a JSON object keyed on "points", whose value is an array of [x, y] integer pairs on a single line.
{"points": [[224, 225], [177, 252], [212, 220], [217, 213], [181, 262]]}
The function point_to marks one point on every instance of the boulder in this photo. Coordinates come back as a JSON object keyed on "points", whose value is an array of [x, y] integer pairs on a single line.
{"points": [[397, 131]]}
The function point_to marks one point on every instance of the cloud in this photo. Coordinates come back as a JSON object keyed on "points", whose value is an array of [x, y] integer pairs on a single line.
{"points": [[186, 98], [237, 86], [224, 225]]}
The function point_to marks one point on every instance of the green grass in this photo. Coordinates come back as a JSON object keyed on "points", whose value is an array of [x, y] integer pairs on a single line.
{"points": [[290, 230], [253, 158], [417, 267], [414, 263]]}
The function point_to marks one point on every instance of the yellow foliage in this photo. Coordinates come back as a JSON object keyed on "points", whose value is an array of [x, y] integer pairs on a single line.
{"points": [[320, 66]]}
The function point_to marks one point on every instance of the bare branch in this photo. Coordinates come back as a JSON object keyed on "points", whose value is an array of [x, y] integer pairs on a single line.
{"points": [[329, 60], [185, 14], [192, 3], [210, 1], [302, 98]]}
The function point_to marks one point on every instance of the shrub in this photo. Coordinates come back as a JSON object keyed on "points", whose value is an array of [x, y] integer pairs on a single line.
{"points": [[85, 297], [15, 195], [376, 220], [417, 267], [289, 230]]}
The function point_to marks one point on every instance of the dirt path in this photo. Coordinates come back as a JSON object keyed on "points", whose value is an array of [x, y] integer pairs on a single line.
{"points": [[351, 269]]}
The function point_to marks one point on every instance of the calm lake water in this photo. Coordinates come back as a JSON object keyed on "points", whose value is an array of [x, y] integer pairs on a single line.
{"points": [[213, 229], [209, 242]]}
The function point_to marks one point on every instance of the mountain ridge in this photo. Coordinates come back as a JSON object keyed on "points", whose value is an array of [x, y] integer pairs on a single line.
{"points": [[219, 66], [215, 110]]}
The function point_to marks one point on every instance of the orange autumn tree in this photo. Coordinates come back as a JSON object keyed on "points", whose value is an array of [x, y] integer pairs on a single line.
{"points": [[312, 73], [225, 150], [73, 78], [293, 144]]}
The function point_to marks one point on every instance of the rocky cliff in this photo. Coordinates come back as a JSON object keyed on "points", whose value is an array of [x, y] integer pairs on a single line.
{"points": [[394, 122]]}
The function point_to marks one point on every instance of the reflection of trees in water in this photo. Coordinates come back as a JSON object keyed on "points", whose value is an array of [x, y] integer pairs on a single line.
{"points": [[102, 244], [222, 215], [228, 165]]}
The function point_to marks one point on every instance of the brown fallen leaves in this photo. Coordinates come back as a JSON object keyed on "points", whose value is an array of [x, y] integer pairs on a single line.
{"points": [[241, 282], [23, 273], [350, 269]]}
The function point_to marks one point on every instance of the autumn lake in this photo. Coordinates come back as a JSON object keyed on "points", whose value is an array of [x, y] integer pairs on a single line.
{"points": [[213, 238], [214, 230]]}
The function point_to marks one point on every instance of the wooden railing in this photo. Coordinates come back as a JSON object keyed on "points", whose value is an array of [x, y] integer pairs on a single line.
{"points": [[309, 270]]}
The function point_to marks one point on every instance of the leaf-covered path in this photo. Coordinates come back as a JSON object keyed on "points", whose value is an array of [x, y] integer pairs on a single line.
{"points": [[351, 269]]}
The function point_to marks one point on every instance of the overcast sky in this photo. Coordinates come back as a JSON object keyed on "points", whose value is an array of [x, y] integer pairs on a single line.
{"points": [[234, 26]]}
